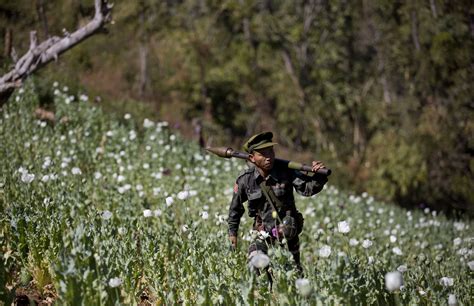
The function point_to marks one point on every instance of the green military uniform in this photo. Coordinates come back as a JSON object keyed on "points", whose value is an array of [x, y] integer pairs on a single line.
{"points": [[281, 180]]}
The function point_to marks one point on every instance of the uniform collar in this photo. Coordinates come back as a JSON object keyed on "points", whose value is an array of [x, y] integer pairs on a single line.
{"points": [[271, 177]]}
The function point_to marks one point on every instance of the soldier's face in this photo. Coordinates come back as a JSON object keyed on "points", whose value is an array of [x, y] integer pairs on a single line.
{"points": [[263, 158]]}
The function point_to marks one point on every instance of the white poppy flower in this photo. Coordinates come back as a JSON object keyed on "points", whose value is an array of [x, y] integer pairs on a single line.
{"points": [[169, 201], [27, 177], [260, 260], [393, 281], [263, 234], [325, 251], [452, 301], [115, 282], [471, 265], [47, 163], [183, 195], [446, 281], [106, 215], [76, 171], [147, 213], [343, 227], [459, 226], [303, 286], [147, 123], [367, 244], [397, 251], [22, 170], [353, 242]]}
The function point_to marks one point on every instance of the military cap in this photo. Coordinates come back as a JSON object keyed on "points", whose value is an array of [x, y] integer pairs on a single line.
{"points": [[259, 141]]}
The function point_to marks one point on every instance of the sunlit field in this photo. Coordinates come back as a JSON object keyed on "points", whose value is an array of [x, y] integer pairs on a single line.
{"points": [[99, 210]]}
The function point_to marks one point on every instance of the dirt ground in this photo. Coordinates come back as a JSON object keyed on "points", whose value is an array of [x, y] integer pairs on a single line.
{"points": [[30, 295]]}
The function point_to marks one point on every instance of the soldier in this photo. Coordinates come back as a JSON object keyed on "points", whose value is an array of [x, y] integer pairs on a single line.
{"points": [[268, 187]]}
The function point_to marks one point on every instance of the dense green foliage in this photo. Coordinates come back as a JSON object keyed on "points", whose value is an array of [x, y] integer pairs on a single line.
{"points": [[380, 90], [115, 211]]}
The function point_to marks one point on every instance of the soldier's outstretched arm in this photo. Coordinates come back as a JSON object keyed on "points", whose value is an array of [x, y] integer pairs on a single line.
{"points": [[236, 210], [308, 185]]}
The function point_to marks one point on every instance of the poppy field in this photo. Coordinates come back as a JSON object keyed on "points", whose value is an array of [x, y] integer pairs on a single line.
{"points": [[99, 210]]}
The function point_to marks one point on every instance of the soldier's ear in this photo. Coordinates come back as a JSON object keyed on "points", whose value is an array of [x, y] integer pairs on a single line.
{"points": [[252, 158]]}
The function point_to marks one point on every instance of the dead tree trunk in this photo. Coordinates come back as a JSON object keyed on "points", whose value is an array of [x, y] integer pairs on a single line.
{"points": [[433, 9], [143, 78], [39, 55], [143, 56], [42, 17], [414, 30], [8, 43]]}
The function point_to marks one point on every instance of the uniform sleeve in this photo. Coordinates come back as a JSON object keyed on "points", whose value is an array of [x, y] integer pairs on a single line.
{"points": [[308, 185], [236, 209]]}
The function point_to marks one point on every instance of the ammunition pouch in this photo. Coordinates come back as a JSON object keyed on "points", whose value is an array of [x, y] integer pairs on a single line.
{"points": [[288, 227], [292, 224]]}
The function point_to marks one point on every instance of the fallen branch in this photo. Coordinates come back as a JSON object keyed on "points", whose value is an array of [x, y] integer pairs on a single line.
{"points": [[39, 55]]}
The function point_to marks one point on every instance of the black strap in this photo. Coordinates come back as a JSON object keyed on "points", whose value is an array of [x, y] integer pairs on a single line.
{"points": [[271, 197]]}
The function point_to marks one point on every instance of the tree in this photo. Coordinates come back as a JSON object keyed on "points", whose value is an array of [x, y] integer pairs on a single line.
{"points": [[41, 54]]}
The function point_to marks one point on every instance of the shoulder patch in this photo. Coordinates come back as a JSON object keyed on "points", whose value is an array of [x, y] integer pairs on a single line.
{"points": [[243, 177], [244, 172]]}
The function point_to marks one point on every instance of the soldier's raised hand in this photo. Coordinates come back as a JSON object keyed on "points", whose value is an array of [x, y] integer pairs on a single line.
{"points": [[233, 242], [316, 165]]}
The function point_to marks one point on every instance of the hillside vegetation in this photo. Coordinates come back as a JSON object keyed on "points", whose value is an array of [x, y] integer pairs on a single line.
{"points": [[380, 90], [98, 210]]}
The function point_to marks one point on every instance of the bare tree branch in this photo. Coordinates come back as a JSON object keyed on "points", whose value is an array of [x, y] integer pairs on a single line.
{"points": [[414, 30], [39, 55]]}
